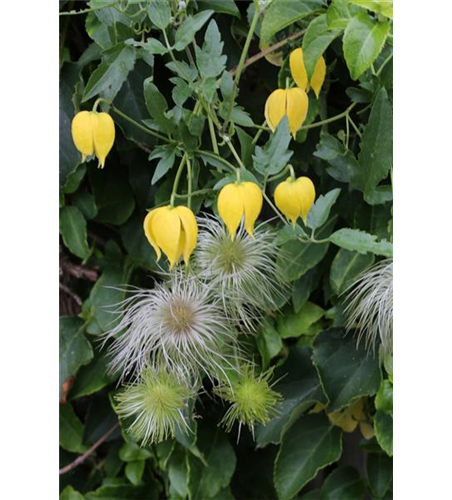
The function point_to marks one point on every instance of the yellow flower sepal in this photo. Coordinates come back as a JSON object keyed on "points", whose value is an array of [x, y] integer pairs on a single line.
{"points": [[173, 231], [295, 197], [237, 200], [300, 75], [93, 133], [292, 103]]}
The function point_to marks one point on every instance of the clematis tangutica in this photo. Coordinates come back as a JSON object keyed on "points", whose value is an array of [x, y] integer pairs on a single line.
{"points": [[93, 133], [295, 197], [173, 231], [237, 200], [292, 103], [299, 74]]}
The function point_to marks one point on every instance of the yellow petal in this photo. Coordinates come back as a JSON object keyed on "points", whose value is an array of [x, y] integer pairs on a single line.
{"points": [[318, 77], [297, 108], [103, 136], [366, 430], [252, 202], [344, 420], [298, 70], [275, 108], [288, 200], [189, 231], [306, 192], [166, 228], [147, 226], [230, 207], [82, 133]]}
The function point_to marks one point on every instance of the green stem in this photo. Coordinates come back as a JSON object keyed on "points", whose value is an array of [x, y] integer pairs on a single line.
{"points": [[96, 103], [330, 120], [173, 58], [189, 182], [85, 11], [354, 126], [281, 174], [235, 154], [259, 132], [380, 69], [277, 212], [213, 137], [177, 179], [240, 65], [216, 157], [199, 192], [292, 172]]}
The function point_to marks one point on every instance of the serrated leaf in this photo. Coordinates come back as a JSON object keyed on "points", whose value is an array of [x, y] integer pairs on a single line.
{"points": [[316, 40], [209, 59], [320, 211], [110, 75], [75, 350], [346, 266], [160, 13], [347, 371], [73, 231], [188, 29], [153, 46], [71, 430], [309, 445], [363, 40], [165, 164], [274, 156], [360, 241]]}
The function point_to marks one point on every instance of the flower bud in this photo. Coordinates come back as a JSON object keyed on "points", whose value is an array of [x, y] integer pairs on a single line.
{"points": [[292, 103], [237, 200], [298, 70], [295, 198], [173, 231]]}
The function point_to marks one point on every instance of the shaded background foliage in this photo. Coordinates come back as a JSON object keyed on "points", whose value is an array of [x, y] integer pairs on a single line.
{"points": [[334, 393]]}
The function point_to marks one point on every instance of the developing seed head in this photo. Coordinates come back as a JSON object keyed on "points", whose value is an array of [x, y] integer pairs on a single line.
{"points": [[242, 271], [370, 308], [178, 324], [252, 399], [156, 404]]}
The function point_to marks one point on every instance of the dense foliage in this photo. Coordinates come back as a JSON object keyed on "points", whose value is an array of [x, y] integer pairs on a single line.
{"points": [[186, 84]]}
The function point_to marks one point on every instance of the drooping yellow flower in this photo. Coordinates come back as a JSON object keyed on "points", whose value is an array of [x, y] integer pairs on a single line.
{"points": [[300, 76], [173, 231], [295, 197], [93, 133], [237, 200], [292, 103]]}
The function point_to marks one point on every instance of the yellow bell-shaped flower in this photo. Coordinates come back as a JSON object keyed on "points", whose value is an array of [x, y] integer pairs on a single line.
{"points": [[237, 200], [173, 231], [295, 197], [93, 133], [300, 76], [292, 103]]}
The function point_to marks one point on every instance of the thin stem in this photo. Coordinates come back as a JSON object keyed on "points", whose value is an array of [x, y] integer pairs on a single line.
{"points": [[189, 182], [173, 58], [241, 65], [199, 192], [347, 131], [354, 126], [330, 120], [380, 69], [281, 174], [259, 133], [277, 212], [85, 11], [96, 103], [177, 179], [235, 154], [213, 137], [216, 157]]}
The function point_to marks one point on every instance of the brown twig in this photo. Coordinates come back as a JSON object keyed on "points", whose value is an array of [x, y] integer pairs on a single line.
{"points": [[79, 460], [269, 50], [71, 294]]}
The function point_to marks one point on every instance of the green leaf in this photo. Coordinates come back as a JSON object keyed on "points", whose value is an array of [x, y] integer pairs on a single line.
{"points": [[73, 231], [74, 179], [188, 29], [132, 452], [295, 325], [339, 13], [320, 211], [309, 445], [85, 202], [274, 156], [300, 387], [344, 483], [157, 105], [137, 246], [167, 157], [160, 14], [210, 60], [69, 156], [181, 91], [282, 13], [70, 494], [383, 431], [379, 474], [383, 7], [152, 45], [316, 40], [71, 430], [268, 342], [122, 491], [383, 400], [363, 41], [347, 371], [346, 267], [223, 7], [112, 72], [113, 195], [134, 470], [303, 288], [375, 157], [178, 473], [75, 350], [362, 242]]}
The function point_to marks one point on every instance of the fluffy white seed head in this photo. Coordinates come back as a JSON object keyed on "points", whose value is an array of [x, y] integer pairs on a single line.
{"points": [[243, 271], [178, 324], [370, 308]]}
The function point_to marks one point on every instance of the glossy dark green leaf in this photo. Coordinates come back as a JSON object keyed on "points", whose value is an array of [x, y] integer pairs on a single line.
{"points": [[383, 431], [347, 371], [321, 209], [379, 474], [131, 452], [383, 400], [342, 162], [360, 241], [344, 483], [73, 231], [178, 473], [188, 29], [134, 471], [309, 445], [303, 287], [85, 202], [121, 492], [157, 105], [71, 430], [346, 267]]}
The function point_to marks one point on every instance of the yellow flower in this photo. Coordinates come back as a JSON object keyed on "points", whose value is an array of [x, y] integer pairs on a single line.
{"points": [[173, 231], [237, 200], [295, 198], [290, 102], [300, 76], [93, 133]]}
